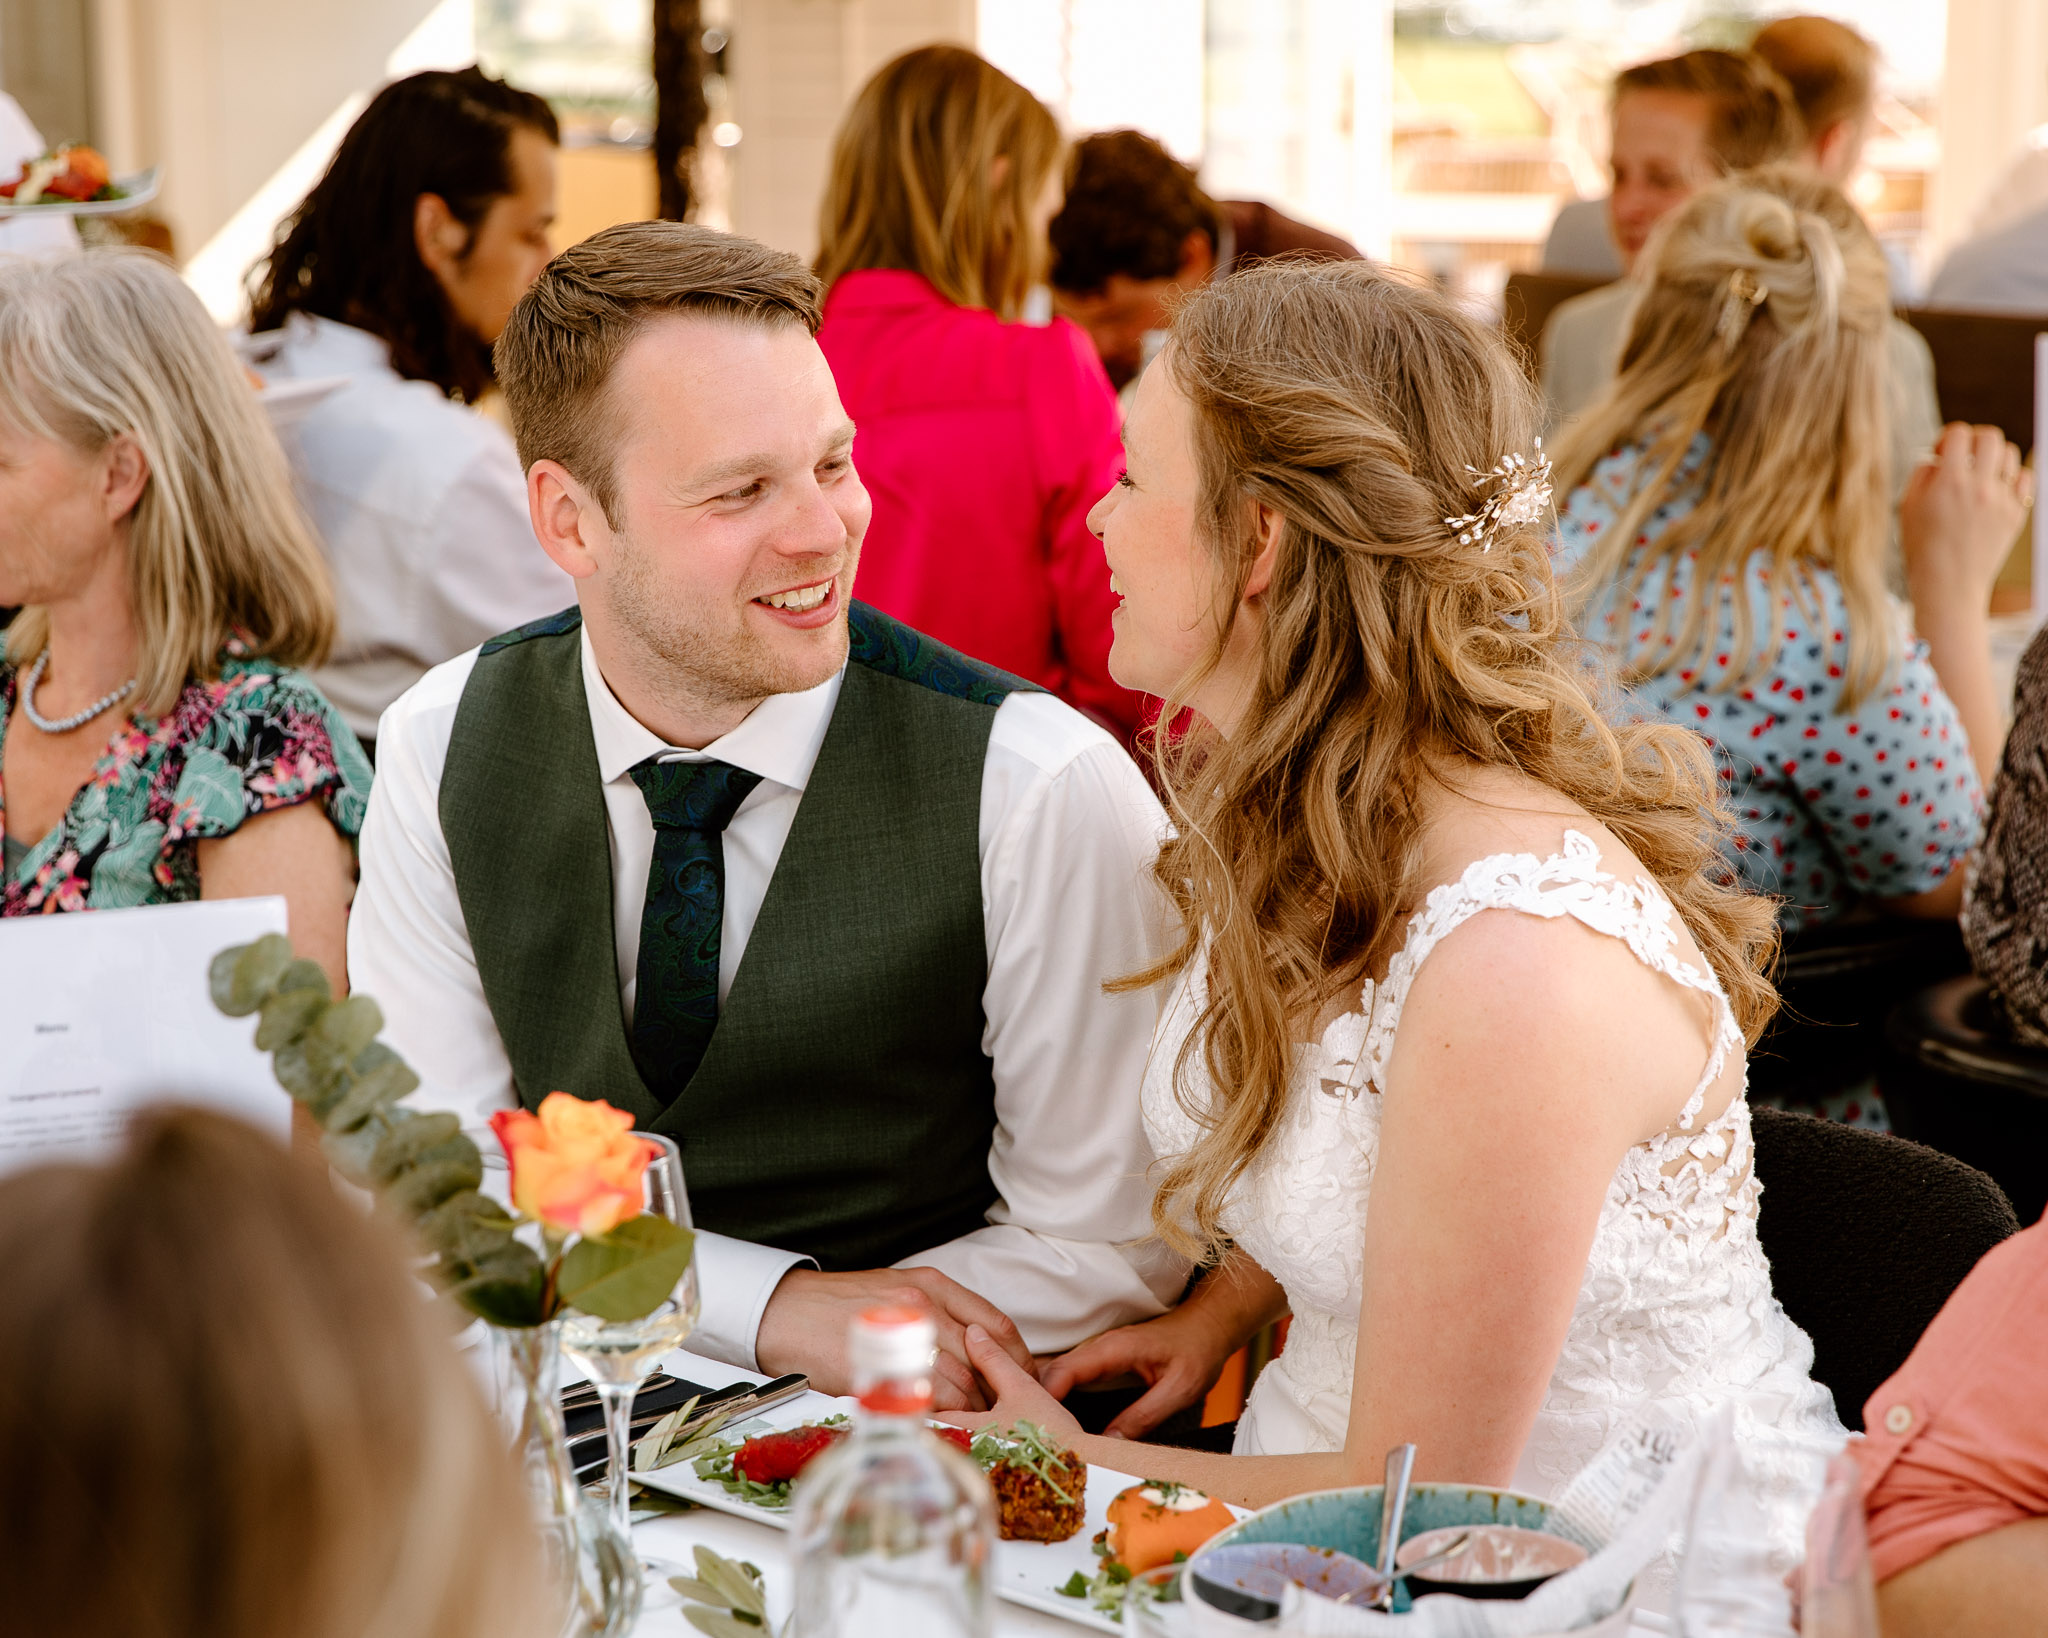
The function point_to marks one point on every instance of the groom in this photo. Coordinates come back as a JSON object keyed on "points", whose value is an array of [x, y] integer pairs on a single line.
{"points": [[824, 901]]}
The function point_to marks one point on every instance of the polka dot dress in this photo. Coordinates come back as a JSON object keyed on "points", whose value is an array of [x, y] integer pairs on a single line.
{"points": [[1879, 800]]}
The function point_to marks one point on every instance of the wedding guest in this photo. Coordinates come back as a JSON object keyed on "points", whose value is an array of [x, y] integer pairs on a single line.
{"points": [[1680, 125], [983, 439], [158, 739], [1507, 1193], [1955, 1465], [228, 1411], [1726, 524], [828, 902], [2005, 896], [389, 283], [2003, 270], [1136, 233]]}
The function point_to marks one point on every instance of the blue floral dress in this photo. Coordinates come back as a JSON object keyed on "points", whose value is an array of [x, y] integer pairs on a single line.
{"points": [[258, 737], [1882, 800]]}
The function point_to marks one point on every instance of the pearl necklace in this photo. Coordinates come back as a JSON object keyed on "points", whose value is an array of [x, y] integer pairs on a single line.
{"points": [[77, 719]]}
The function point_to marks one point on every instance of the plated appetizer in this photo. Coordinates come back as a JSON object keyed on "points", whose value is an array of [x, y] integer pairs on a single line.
{"points": [[1152, 1523], [1041, 1487], [70, 175]]}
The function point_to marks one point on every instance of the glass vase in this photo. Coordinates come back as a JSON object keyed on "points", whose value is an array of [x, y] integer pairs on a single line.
{"points": [[591, 1567]]}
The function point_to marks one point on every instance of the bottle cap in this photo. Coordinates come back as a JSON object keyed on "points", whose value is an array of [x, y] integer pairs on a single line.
{"points": [[891, 1352]]}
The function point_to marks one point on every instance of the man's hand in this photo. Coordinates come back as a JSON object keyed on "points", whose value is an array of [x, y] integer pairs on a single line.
{"points": [[804, 1328]]}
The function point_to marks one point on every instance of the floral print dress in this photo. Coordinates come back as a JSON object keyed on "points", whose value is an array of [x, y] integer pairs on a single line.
{"points": [[258, 737]]}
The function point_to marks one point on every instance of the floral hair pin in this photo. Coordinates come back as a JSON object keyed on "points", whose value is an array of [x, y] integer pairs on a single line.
{"points": [[1521, 490]]}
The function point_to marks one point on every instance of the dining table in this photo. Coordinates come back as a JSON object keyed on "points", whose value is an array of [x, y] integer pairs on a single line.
{"points": [[668, 1540]]}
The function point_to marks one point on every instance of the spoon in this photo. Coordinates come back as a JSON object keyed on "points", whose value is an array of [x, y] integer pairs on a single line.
{"points": [[1393, 1508]]}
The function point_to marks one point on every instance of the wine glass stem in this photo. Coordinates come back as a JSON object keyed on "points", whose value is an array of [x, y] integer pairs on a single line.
{"points": [[618, 1431]]}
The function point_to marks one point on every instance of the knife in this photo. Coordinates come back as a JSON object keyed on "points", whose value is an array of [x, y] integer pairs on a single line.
{"points": [[714, 1410]]}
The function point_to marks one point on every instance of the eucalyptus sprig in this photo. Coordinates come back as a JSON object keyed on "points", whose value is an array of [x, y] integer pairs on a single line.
{"points": [[724, 1598], [423, 1167]]}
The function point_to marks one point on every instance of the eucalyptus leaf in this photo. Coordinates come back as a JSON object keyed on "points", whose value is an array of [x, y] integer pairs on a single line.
{"points": [[420, 1188], [304, 975], [652, 1449], [505, 1287], [466, 1227], [628, 1273], [410, 1136], [344, 1030], [349, 1153], [377, 1076], [288, 1014], [220, 979], [298, 1076], [252, 974]]}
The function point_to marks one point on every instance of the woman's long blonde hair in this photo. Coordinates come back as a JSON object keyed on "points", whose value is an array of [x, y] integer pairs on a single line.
{"points": [[910, 185], [1356, 406], [106, 342], [1762, 323], [228, 1410]]}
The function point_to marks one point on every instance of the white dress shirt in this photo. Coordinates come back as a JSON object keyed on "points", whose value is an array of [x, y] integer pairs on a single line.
{"points": [[421, 504], [1068, 831]]}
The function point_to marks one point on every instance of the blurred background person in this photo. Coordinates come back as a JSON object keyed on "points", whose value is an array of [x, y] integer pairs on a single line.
{"points": [[227, 1410], [157, 741], [1724, 521], [1679, 124], [394, 276], [983, 440], [1136, 232]]}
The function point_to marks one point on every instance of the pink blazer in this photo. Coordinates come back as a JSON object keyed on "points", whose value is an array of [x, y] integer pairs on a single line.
{"points": [[984, 444]]}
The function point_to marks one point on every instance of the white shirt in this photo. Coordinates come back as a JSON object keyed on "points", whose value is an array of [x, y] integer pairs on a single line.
{"points": [[421, 504], [1068, 832], [21, 142]]}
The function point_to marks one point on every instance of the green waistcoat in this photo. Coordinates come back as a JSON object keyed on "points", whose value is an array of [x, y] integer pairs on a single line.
{"points": [[844, 1106]]}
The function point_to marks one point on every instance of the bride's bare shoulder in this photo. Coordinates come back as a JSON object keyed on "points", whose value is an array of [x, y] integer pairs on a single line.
{"points": [[1473, 812]]}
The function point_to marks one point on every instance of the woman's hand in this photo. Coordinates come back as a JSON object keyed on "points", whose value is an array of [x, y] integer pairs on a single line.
{"points": [[1014, 1393], [1959, 517], [1179, 1356]]}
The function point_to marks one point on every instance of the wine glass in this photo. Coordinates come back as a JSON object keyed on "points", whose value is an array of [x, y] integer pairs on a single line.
{"points": [[621, 1355]]}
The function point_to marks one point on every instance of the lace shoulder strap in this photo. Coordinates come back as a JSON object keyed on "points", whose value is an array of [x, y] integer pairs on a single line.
{"points": [[1569, 883]]}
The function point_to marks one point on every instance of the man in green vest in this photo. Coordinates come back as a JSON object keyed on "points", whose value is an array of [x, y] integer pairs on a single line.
{"points": [[828, 903]]}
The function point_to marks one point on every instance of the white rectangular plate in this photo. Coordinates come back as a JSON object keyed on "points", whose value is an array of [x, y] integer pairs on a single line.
{"points": [[1026, 1572], [138, 187]]}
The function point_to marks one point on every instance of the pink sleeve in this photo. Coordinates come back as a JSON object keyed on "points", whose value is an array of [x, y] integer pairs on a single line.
{"points": [[1079, 452], [1958, 1436]]}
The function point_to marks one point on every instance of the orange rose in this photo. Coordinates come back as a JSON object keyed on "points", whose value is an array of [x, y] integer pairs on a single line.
{"points": [[575, 1166]]}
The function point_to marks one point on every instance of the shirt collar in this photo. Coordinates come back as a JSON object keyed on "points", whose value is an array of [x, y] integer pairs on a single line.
{"points": [[316, 346], [779, 739]]}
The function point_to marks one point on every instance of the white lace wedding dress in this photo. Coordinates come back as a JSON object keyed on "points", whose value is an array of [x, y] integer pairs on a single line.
{"points": [[1675, 1315]]}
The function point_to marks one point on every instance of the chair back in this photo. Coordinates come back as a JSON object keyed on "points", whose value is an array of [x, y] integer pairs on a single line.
{"points": [[1836, 981], [1983, 367], [1527, 303], [1953, 1077], [1867, 1236]]}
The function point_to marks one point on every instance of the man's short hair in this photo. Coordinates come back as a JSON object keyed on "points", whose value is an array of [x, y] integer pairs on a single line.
{"points": [[1752, 118], [1831, 69], [1130, 208], [562, 341]]}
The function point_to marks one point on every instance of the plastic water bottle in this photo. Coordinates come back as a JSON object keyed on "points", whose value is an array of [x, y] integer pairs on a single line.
{"points": [[895, 1529]]}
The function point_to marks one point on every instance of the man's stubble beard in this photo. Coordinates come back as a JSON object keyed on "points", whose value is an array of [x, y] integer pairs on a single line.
{"points": [[713, 666]]}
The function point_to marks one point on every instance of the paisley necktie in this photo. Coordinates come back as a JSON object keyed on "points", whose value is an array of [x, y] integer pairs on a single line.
{"points": [[675, 1005]]}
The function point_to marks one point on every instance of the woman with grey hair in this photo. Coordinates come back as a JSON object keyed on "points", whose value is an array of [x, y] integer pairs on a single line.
{"points": [[157, 742]]}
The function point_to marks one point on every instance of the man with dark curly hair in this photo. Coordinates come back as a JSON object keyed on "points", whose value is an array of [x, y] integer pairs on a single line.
{"points": [[1137, 230]]}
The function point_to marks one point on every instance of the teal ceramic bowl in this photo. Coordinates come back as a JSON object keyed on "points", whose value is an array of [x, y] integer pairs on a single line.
{"points": [[1349, 1520]]}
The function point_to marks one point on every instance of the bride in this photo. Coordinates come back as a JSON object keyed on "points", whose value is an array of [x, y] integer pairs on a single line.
{"points": [[1451, 1065]]}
